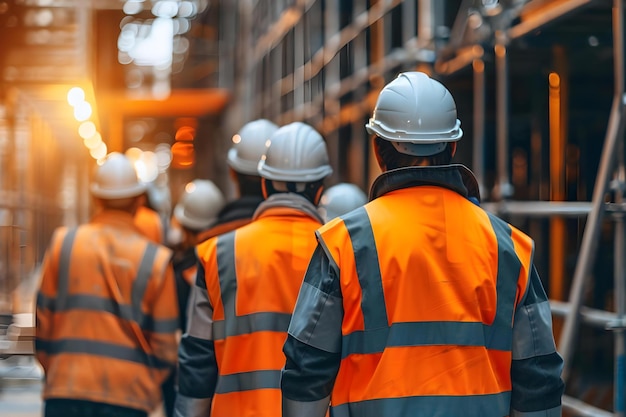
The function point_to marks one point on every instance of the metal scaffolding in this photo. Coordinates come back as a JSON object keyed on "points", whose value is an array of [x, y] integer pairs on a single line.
{"points": [[470, 43], [610, 178]]}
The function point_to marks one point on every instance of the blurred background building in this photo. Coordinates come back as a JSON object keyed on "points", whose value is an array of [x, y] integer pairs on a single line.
{"points": [[538, 85]]}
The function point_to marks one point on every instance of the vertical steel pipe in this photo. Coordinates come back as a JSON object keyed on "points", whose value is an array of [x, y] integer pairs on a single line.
{"points": [[591, 233], [619, 365], [503, 188], [619, 294], [478, 156]]}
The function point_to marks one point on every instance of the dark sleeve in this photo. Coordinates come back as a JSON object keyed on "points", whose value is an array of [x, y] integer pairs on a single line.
{"points": [[536, 368], [197, 365], [309, 373], [313, 347], [182, 287]]}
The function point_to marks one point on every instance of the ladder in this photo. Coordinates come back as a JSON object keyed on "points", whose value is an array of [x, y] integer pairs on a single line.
{"points": [[573, 311], [611, 178]]}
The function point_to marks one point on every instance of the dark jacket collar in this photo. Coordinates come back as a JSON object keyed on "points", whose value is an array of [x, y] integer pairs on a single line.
{"points": [[289, 200], [455, 177], [241, 208]]}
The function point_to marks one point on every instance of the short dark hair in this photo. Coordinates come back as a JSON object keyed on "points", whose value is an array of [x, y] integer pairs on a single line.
{"points": [[310, 192], [249, 185], [394, 159]]}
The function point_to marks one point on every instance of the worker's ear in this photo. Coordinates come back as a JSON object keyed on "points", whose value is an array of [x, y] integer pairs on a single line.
{"points": [[318, 195], [452, 148], [264, 187]]}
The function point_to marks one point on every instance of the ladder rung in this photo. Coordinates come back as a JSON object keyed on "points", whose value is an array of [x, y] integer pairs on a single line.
{"points": [[582, 409], [592, 316]]}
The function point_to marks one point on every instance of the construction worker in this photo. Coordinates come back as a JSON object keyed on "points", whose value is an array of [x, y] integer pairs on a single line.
{"points": [[195, 214], [340, 199], [149, 223], [249, 143], [420, 302], [248, 280], [106, 315]]}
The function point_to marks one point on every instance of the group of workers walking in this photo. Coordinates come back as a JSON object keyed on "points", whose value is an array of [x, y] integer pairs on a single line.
{"points": [[418, 302]]}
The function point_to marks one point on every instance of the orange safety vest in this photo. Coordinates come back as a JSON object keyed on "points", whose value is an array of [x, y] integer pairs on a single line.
{"points": [[149, 223], [253, 276], [106, 315], [428, 327]]}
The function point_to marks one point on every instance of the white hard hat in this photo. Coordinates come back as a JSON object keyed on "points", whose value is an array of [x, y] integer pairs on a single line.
{"points": [[249, 146], [417, 114], [200, 204], [116, 178], [296, 153], [340, 199]]}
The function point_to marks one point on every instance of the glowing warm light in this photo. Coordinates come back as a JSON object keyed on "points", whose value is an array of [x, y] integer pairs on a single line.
{"points": [[156, 48], [87, 129], [236, 139], [75, 95], [185, 134], [190, 187], [99, 152], [134, 154], [500, 50], [146, 167], [93, 141], [82, 111], [554, 80], [163, 156], [183, 155]]}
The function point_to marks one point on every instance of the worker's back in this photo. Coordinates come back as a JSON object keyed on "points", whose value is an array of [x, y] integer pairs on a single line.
{"points": [[109, 280], [248, 283], [252, 309], [106, 307], [432, 297]]}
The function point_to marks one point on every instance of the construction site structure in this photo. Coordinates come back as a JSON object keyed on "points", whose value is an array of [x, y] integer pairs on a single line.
{"points": [[539, 86]]}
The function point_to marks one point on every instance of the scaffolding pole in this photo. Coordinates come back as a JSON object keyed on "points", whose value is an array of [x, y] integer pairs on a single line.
{"points": [[591, 232]]}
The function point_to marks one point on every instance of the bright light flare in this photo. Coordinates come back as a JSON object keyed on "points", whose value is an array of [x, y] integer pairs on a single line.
{"points": [[87, 129], [82, 111], [75, 95]]}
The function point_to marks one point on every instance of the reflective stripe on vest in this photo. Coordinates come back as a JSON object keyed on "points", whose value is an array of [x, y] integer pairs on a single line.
{"points": [[64, 269], [65, 302], [246, 381], [432, 406], [378, 334], [234, 325], [109, 350]]}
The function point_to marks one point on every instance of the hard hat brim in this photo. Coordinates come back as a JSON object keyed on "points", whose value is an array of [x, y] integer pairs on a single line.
{"points": [[241, 165], [188, 222], [300, 175], [127, 192], [376, 128]]}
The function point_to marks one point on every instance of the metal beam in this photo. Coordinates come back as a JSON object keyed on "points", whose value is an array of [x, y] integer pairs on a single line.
{"points": [[591, 233], [533, 17], [540, 208]]}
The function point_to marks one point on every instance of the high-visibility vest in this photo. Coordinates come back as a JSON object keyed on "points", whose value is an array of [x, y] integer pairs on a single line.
{"points": [[185, 271], [149, 222], [253, 276], [430, 283], [106, 316]]}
